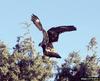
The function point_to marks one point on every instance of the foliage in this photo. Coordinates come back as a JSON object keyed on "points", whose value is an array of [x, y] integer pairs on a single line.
{"points": [[24, 63], [74, 69]]}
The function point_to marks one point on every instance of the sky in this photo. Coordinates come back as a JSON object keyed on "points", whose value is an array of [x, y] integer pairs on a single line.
{"points": [[83, 14]]}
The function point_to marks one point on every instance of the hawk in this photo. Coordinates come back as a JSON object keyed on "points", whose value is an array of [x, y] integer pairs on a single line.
{"points": [[50, 36]]}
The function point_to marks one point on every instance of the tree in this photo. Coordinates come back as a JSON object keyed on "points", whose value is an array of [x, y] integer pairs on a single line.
{"points": [[24, 63], [74, 69]]}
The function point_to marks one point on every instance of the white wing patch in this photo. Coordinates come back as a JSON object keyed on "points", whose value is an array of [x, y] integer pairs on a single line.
{"points": [[50, 50], [37, 20]]}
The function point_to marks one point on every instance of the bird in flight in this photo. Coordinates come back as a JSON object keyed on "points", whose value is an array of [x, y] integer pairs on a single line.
{"points": [[50, 36]]}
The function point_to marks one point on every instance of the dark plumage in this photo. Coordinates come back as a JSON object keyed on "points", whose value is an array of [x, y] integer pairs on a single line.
{"points": [[50, 36], [54, 32], [37, 22]]}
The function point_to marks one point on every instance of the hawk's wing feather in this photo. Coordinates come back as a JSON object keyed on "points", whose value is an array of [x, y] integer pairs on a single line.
{"points": [[54, 32], [37, 22], [61, 29], [53, 54]]}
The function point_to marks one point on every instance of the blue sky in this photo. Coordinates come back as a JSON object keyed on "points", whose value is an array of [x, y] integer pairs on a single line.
{"points": [[84, 14]]}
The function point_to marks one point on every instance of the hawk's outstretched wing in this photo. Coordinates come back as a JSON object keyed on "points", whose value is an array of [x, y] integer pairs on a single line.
{"points": [[54, 32], [37, 22]]}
